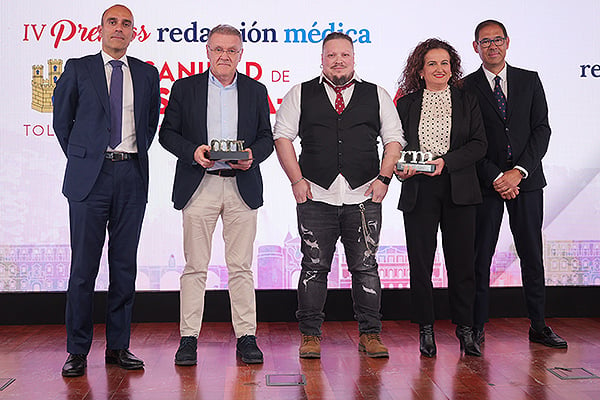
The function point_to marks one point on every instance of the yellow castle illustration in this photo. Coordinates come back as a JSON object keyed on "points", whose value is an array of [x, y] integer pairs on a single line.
{"points": [[43, 89]]}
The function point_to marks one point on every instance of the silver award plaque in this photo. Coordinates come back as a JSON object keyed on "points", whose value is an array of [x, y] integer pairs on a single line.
{"points": [[227, 150], [417, 160]]}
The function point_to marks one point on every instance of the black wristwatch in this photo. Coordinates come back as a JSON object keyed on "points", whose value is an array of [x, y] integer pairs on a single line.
{"points": [[386, 180]]}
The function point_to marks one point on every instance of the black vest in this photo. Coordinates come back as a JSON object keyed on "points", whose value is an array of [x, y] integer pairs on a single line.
{"points": [[334, 144]]}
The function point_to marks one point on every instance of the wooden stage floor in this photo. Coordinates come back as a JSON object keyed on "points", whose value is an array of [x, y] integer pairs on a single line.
{"points": [[511, 368]]}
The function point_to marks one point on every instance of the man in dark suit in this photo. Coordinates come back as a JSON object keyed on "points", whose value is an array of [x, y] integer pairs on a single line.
{"points": [[515, 116], [219, 104], [106, 109]]}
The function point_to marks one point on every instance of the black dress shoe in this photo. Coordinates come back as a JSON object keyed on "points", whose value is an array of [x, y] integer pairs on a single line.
{"points": [[465, 337], [123, 358], [547, 337], [75, 365], [427, 340], [479, 335], [187, 352], [248, 350]]}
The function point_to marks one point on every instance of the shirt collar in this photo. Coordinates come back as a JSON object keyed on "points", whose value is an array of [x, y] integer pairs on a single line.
{"points": [[214, 81], [106, 59], [323, 77], [490, 75]]}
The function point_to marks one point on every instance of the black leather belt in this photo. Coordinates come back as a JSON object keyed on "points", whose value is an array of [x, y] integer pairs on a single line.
{"points": [[117, 156], [228, 173]]}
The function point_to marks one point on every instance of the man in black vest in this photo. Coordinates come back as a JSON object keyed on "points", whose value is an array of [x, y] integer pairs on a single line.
{"points": [[338, 183]]}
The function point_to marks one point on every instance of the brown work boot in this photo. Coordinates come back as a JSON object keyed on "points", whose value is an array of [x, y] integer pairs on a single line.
{"points": [[370, 343], [310, 346]]}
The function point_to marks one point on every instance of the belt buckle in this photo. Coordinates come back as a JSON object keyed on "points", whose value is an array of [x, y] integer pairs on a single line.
{"points": [[115, 156]]}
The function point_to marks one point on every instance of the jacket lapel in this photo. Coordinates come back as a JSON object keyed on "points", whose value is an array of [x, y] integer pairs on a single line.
{"points": [[414, 118], [484, 86], [138, 92], [200, 96], [513, 90], [98, 78], [456, 117], [243, 101]]}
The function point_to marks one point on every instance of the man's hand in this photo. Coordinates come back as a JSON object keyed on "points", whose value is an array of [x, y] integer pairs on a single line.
{"points": [[200, 156], [244, 165], [301, 190], [378, 189], [507, 185]]}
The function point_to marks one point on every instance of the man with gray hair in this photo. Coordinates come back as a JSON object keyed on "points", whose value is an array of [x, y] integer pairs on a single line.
{"points": [[220, 105]]}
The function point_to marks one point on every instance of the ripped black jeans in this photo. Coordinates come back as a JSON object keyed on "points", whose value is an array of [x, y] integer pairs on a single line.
{"points": [[320, 225]]}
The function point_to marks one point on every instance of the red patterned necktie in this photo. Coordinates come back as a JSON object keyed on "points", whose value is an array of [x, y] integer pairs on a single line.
{"points": [[339, 99]]}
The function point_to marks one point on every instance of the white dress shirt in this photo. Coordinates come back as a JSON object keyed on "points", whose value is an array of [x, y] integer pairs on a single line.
{"points": [[128, 139]]}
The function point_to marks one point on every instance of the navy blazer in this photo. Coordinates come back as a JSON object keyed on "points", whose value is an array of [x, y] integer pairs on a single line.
{"points": [[184, 129], [526, 126], [467, 146], [81, 119]]}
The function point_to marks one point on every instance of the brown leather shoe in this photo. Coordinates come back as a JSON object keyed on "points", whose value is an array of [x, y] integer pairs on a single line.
{"points": [[370, 343], [310, 347]]}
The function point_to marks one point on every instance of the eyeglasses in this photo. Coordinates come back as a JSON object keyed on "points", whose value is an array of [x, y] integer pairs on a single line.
{"points": [[219, 51], [498, 41]]}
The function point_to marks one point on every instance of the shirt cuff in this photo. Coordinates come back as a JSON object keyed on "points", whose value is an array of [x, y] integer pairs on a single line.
{"points": [[523, 171]]}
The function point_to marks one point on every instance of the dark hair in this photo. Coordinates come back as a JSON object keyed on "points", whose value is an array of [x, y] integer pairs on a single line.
{"points": [[337, 35], [411, 81], [225, 29], [489, 22]]}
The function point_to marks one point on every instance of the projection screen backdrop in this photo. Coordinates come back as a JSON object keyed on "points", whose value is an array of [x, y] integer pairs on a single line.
{"points": [[281, 48]]}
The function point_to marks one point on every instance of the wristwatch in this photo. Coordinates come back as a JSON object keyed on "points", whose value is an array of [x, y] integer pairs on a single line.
{"points": [[386, 180]]}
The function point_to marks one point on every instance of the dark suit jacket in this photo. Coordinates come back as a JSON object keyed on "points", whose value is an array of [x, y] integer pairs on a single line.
{"points": [[526, 126], [467, 146], [82, 119], [184, 128]]}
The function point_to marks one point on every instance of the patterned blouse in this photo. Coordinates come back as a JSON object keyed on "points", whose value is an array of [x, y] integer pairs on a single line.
{"points": [[436, 121]]}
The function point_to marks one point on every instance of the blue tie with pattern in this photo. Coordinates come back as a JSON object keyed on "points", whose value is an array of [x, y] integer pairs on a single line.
{"points": [[499, 95], [116, 103]]}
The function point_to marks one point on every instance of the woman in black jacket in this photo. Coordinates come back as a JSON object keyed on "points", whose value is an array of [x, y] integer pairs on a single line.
{"points": [[445, 121]]}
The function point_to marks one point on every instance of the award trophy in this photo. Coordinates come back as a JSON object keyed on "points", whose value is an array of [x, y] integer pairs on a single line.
{"points": [[227, 150], [417, 161]]}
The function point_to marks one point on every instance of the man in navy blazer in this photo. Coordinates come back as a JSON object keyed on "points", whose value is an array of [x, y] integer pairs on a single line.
{"points": [[219, 104], [106, 139], [515, 115]]}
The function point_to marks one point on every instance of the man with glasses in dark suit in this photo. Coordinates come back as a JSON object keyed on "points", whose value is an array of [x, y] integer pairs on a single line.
{"points": [[515, 114]]}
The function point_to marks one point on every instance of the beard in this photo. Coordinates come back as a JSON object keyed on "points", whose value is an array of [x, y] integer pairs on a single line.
{"points": [[340, 80]]}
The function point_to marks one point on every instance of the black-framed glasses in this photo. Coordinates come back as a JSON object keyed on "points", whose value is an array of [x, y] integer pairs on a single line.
{"points": [[219, 51], [498, 41]]}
